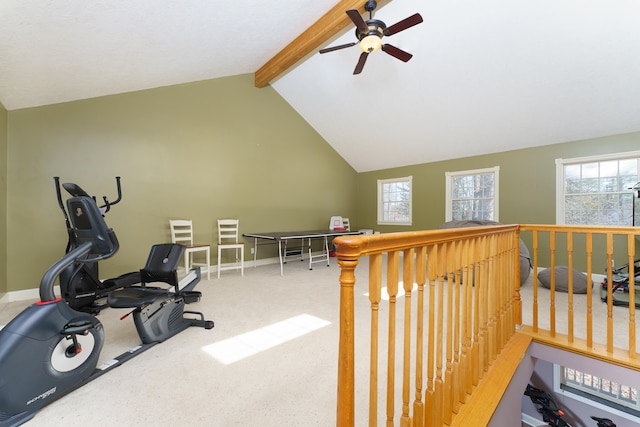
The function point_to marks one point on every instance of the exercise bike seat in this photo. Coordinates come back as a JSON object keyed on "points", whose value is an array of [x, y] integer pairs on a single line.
{"points": [[136, 297], [162, 267]]}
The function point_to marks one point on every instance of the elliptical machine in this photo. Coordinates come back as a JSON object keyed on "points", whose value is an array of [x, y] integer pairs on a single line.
{"points": [[50, 349], [80, 285]]}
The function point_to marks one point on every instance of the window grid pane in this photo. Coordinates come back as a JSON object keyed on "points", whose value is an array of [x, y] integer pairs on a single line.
{"points": [[597, 193], [472, 197], [600, 387], [395, 201]]}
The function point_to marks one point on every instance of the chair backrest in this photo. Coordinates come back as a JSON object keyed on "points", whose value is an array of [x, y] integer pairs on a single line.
{"points": [[345, 224], [228, 230], [181, 231]]}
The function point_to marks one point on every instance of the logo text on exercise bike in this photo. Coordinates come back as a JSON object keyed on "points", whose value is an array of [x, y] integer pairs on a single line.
{"points": [[43, 395]]}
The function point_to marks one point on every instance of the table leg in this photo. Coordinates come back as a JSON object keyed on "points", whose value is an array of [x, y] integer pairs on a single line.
{"points": [[255, 251], [280, 256]]}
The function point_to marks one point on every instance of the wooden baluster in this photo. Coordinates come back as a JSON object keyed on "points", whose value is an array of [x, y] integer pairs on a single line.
{"points": [[513, 291], [484, 305], [517, 296], [489, 287], [552, 290], [447, 391], [477, 354], [506, 279], [535, 281], [438, 403], [589, 250], [432, 271], [407, 278], [375, 289], [498, 282], [457, 331], [392, 289], [468, 318], [346, 373], [464, 324], [631, 250], [570, 286], [421, 278], [609, 292]]}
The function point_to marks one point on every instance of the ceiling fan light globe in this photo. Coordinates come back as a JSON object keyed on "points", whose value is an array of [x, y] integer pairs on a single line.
{"points": [[370, 43]]}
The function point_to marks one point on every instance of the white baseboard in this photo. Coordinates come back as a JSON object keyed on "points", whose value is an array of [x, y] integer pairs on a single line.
{"points": [[23, 295]]}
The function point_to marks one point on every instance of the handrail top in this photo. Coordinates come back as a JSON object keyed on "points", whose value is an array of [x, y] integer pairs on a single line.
{"points": [[352, 247], [582, 229]]}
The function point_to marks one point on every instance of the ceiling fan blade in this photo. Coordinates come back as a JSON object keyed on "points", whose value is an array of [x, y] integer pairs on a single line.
{"points": [[403, 25], [361, 61], [397, 53], [342, 46], [358, 20]]}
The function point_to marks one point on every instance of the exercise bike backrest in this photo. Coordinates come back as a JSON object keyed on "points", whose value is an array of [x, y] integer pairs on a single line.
{"points": [[92, 238]]}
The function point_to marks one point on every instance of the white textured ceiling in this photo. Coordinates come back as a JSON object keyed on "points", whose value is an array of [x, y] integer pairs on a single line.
{"points": [[486, 76]]}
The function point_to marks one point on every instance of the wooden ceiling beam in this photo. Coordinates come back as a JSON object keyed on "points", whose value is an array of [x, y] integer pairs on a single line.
{"points": [[330, 24]]}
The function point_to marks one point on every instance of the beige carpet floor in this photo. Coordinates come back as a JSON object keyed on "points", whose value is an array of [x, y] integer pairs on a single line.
{"points": [[271, 359]]}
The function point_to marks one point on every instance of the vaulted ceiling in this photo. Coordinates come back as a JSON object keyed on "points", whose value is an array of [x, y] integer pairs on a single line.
{"points": [[485, 76]]}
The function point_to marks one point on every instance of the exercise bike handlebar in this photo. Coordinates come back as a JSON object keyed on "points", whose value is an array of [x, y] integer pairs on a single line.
{"points": [[49, 278]]}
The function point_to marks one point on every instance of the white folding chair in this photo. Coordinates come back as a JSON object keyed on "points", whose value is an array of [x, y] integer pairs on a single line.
{"points": [[228, 233], [182, 233]]}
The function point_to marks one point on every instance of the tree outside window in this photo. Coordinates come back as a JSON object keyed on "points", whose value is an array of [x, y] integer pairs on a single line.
{"points": [[597, 190], [472, 195], [394, 201]]}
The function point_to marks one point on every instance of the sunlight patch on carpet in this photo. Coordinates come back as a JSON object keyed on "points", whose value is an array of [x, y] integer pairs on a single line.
{"points": [[245, 345]]}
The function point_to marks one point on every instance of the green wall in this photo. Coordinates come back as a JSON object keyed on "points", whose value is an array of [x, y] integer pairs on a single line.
{"points": [[3, 198], [527, 184], [213, 149], [207, 150]]}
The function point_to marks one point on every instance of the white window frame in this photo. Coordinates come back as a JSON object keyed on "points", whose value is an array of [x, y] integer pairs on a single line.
{"points": [[496, 187], [381, 183], [560, 177], [597, 401]]}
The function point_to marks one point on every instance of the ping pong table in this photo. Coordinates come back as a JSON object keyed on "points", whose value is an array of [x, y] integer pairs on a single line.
{"points": [[284, 237]]}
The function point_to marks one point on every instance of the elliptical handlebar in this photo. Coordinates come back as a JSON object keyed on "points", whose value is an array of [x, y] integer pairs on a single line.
{"points": [[77, 191]]}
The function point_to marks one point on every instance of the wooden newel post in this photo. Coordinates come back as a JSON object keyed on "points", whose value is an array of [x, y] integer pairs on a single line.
{"points": [[346, 374]]}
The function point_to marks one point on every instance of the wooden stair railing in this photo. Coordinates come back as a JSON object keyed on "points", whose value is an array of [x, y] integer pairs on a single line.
{"points": [[452, 304], [595, 244], [460, 301]]}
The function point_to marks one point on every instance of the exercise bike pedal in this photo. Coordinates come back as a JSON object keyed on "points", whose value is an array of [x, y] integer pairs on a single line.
{"points": [[207, 324], [77, 328]]}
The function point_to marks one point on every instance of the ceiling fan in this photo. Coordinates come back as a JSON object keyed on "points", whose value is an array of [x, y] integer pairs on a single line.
{"points": [[370, 33]]}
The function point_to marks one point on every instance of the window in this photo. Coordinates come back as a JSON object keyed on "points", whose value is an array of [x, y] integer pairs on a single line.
{"points": [[596, 190], [394, 201], [472, 195], [599, 392]]}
